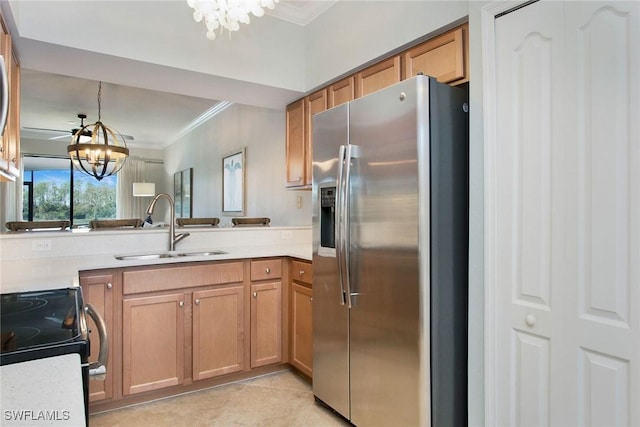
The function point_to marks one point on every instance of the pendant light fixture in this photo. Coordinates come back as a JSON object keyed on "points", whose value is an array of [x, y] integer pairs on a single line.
{"points": [[104, 154], [229, 14]]}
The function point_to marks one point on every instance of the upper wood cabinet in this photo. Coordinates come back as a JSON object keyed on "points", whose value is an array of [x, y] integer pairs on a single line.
{"points": [[444, 57], [299, 150], [378, 76], [314, 104], [342, 91], [295, 149], [10, 144]]}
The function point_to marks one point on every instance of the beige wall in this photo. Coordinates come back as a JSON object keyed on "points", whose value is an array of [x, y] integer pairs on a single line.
{"points": [[262, 132]]}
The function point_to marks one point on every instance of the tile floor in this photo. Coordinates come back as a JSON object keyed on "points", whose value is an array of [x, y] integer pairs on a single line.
{"points": [[279, 399]]}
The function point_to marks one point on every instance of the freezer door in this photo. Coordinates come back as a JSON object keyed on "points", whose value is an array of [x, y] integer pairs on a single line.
{"points": [[330, 314], [388, 342]]}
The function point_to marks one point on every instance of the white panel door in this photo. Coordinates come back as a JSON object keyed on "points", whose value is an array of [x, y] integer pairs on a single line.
{"points": [[567, 215], [602, 178], [530, 50]]}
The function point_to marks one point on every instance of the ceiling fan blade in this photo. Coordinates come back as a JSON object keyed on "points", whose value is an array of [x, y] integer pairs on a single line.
{"points": [[65, 133], [60, 137], [45, 129]]}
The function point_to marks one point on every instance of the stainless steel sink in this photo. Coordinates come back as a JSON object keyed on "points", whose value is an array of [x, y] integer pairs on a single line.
{"points": [[160, 255], [205, 253], [143, 256]]}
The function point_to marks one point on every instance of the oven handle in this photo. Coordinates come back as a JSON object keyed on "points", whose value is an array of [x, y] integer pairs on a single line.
{"points": [[98, 369]]}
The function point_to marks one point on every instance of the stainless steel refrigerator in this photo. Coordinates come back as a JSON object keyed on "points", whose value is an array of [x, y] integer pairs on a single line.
{"points": [[390, 245]]}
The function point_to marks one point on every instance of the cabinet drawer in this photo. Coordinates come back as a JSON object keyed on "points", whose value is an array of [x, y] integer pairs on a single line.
{"points": [[302, 272], [163, 279], [266, 269]]}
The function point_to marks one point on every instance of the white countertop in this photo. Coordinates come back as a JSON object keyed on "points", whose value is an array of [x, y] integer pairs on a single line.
{"points": [[240, 252], [25, 265]]}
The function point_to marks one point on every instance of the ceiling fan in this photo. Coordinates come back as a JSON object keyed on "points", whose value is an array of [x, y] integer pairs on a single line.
{"points": [[68, 133]]}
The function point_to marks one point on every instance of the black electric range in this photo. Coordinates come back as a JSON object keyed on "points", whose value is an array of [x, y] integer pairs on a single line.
{"points": [[40, 324]]}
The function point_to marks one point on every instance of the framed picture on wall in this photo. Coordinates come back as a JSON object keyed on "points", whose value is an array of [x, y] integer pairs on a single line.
{"points": [[182, 193], [233, 182]]}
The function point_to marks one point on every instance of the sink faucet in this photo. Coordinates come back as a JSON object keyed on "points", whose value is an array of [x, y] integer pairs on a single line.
{"points": [[173, 237]]}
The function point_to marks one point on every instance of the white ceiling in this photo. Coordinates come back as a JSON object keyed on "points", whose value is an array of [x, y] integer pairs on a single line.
{"points": [[155, 103]]}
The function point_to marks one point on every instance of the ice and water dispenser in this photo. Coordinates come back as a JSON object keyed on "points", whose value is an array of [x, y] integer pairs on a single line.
{"points": [[328, 217]]}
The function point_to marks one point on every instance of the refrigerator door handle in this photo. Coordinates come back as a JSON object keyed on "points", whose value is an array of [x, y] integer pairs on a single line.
{"points": [[340, 225], [346, 234]]}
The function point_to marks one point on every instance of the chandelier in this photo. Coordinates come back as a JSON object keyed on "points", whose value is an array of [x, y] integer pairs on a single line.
{"points": [[104, 154], [227, 14]]}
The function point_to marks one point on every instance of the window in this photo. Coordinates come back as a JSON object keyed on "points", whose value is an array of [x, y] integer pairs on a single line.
{"points": [[53, 190]]}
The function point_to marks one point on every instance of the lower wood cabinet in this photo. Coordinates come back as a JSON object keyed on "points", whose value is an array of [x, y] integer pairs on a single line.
{"points": [[266, 324], [218, 332], [301, 336], [152, 342], [302, 328], [98, 289], [182, 327], [266, 312]]}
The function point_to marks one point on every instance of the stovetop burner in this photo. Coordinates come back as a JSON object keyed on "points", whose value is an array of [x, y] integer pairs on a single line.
{"points": [[17, 305], [41, 318]]}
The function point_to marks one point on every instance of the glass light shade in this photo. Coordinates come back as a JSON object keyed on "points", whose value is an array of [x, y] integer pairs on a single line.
{"points": [[144, 189], [227, 13], [103, 155]]}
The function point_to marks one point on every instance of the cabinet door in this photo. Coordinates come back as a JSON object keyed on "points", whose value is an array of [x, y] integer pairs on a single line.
{"points": [[218, 332], [13, 119], [314, 104], [342, 91], [378, 76], [302, 328], [152, 342], [442, 57], [295, 149], [266, 323], [98, 291], [10, 144]]}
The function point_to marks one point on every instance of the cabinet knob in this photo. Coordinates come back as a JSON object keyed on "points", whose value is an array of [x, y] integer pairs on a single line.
{"points": [[109, 286], [301, 272], [13, 160], [197, 301], [267, 270], [181, 303], [255, 295], [530, 319]]}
